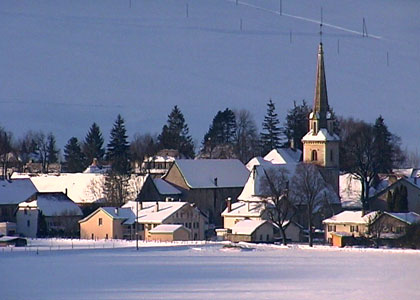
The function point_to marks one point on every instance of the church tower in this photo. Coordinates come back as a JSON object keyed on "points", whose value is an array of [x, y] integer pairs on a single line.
{"points": [[321, 144]]}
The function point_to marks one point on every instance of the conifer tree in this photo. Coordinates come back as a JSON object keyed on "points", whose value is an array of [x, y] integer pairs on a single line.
{"points": [[175, 134], [383, 145], [116, 180], [270, 136], [74, 156], [93, 144], [118, 150], [296, 125], [52, 149]]}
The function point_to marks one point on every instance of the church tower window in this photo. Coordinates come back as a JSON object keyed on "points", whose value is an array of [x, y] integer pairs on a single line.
{"points": [[314, 155]]}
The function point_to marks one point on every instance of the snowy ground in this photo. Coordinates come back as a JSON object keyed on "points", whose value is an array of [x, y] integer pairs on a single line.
{"points": [[65, 64], [208, 272]]}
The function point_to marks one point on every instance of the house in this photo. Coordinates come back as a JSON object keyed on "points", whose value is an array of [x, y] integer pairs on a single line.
{"points": [[157, 189], [15, 241], [48, 214], [13, 192], [347, 223], [208, 183], [169, 233], [7, 228], [412, 186], [153, 214], [353, 224], [108, 223], [252, 231], [84, 189], [160, 163]]}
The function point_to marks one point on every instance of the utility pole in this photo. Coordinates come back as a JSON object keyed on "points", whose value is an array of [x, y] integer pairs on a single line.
{"points": [[136, 224]]}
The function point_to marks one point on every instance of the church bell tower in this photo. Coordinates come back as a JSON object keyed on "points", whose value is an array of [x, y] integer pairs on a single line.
{"points": [[321, 144]]}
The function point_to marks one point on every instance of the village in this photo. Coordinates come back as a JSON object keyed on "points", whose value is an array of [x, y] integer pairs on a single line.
{"points": [[286, 196]]}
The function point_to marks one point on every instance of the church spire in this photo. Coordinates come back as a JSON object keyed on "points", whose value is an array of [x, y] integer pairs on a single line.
{"points": [[321, 108]]}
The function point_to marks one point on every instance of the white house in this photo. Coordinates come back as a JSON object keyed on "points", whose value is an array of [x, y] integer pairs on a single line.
{"points": [[48, 214]]}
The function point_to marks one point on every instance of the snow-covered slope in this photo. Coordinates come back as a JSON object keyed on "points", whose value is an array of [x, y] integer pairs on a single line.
{"points": [[65, 64]]}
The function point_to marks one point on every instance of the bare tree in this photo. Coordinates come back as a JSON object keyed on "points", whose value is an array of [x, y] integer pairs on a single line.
{"points": [[246, 144], [375, 227], [308, 189], [5, 149], [275, 190], [141, 146]]}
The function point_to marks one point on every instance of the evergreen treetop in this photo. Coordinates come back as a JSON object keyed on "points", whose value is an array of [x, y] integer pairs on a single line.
{"points": [[118, 150], [93, 144], [175, 134], [74, 156], [270, 136], [296, 125]]}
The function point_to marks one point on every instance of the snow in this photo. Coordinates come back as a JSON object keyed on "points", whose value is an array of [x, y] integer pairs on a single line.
{"points": [[16, 191], [194, 271], [321, 136], [165, 188], [200, 173], [247, 227], [245, 209], [283, 156], [166, 228], [350, 217], [53, 204], [409, 218], [151, 215]]}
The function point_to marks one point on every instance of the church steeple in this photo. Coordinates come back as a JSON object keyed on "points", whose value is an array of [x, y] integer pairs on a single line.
{"points": [[321, 107]]}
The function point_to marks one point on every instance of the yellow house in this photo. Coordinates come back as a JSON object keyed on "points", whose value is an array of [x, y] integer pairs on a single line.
{"points": [[169, 233], [152, 214], [252, 231], [108, 223], [347, 223]]}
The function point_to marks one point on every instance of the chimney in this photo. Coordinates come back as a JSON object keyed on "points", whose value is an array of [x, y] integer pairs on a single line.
{"points": [[215, 181], [157, 206], [229, 204], [65, 191], [95, 162], [116, 211]]}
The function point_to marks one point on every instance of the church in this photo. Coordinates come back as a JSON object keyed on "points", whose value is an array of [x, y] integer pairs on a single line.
{"points": [[321, 145]]}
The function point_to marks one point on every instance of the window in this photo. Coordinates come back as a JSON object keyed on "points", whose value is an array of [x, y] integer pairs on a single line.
{"points": [[268, 237], [354, 228], [315, 127], [331, 228], [93, 236], [261, 237], [26, 211], [28, 223], [106, 236], [314, 155], [331, 155], [100, 221]]}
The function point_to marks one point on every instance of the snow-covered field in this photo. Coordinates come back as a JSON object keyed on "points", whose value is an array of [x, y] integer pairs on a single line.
{"points": [[209, 272], [65, 64]]}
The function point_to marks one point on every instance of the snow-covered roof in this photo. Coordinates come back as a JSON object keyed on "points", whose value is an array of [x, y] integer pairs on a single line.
{"points": [[150, 213], [166, 228], [350, 217], [201, 173], [117, 213], [322, 135], [245, 209], [254, 191], [255, 161], [247, 227], [16, 191], [409, 172], [80, 187], [165, 188], [283, 156], [53, 204]]}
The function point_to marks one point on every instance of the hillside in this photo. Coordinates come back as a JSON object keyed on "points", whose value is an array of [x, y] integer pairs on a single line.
{"points": [[65, 64]]}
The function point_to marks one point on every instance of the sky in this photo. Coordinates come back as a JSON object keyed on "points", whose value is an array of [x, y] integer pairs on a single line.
{"points": [[67, 64]]}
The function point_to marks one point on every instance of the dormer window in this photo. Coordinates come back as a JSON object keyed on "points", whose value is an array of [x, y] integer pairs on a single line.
{"points": [[314, 155]]}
